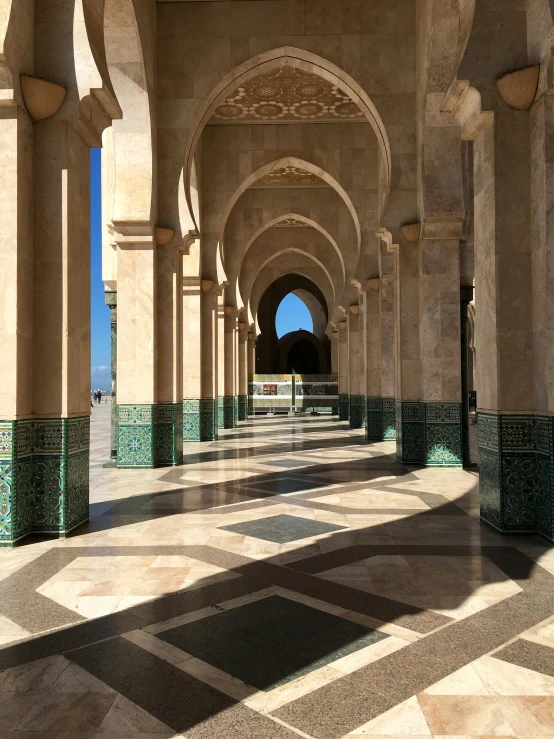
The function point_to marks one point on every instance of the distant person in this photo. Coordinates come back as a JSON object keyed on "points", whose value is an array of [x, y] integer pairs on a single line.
{"points": [[98, 396]]}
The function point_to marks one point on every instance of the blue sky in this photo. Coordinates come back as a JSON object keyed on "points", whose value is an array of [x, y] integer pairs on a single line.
{"points": [[292, 313]]}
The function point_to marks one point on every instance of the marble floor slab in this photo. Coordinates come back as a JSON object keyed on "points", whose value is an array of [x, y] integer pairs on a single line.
{"points": [[288, 580]]}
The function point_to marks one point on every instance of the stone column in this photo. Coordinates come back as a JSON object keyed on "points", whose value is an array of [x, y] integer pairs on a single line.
{"points": [[354, 365], [542, 244], [208, 353], [61, 327], [136, 346], [372, 355], [220, 363], [169, 363], [503, 328], [335, 363], [409, 409], [439, 326], [251, 364], [230, 361], [344, 405], [194, 405], [16, 326], [466, 296], [242, 372], [387, 335], [110, 298]]}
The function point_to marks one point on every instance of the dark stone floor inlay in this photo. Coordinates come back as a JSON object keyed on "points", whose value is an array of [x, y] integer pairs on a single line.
{"points": [[288, 463], [283, 528], [271, 641]]}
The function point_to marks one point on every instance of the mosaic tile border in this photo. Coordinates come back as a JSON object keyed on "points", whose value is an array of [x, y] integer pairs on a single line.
{"points": [[44, 477], [220, 412]]}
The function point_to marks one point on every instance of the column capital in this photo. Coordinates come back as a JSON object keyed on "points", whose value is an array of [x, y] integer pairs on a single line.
{"points": [[110, 298]]}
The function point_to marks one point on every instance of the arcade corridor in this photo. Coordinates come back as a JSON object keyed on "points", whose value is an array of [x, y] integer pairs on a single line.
{"points": [[290, 580]]}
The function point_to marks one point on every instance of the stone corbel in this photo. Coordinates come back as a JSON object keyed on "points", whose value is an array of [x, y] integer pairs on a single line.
{"points": [[163, 235], [206, 285], [242, 325], [373, 284], [343, 324], [411, 232], [42, 98], [228, 310], [354, 309], [518, 89]]}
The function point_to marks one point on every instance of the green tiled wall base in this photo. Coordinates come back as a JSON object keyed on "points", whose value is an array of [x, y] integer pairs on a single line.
{"points": [[443, 435], [429, 434], [356, 411], [191, 419], [149, 435], [374, 419], [199, 419], [135, 436], [220, 412], [44, 477], [208, 419], [389, 419], [544, 440], [508, 463], [229, 411], [242, 407], [343, 407], [168, 438], [410, 432]]}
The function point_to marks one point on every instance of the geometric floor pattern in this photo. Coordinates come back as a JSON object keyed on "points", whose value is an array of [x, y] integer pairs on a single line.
{"points": [[290, 580]]}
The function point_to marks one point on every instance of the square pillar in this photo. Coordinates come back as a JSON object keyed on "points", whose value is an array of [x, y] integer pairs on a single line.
{"points": [[208, 354], [220, 364], [242, 372], [344, 405], [356, 399], [230, 403], [169, 366], [507, 302], [410, 418], [136, 346]]}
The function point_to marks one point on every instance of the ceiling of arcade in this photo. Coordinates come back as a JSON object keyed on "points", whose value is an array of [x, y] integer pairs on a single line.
{"points": [[328, 176], [274, 257], [287, 265], [298, 117], [286, 94]]}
